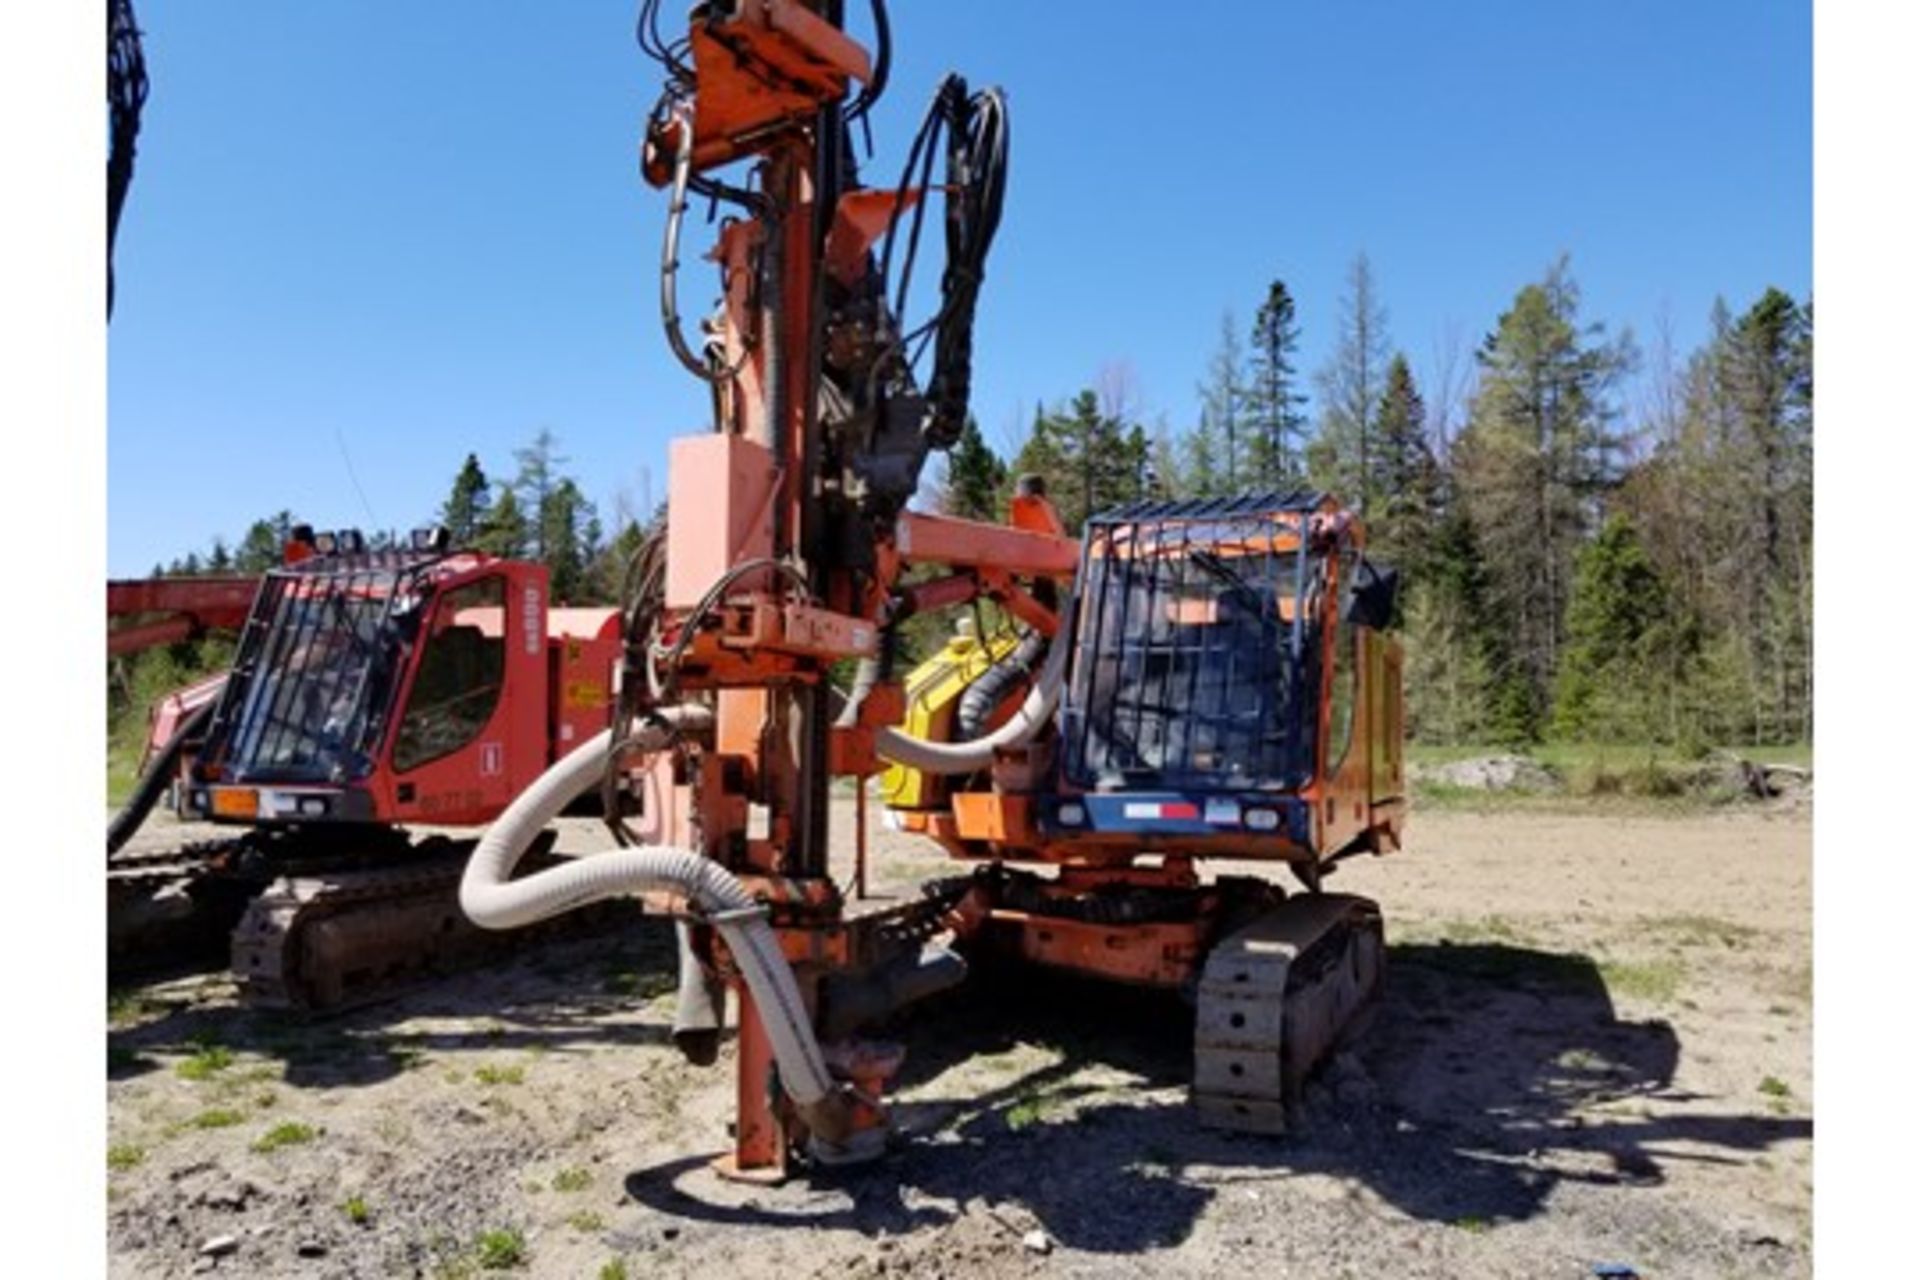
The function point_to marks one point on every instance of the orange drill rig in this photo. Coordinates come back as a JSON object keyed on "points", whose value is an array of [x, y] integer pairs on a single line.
{"points": [[1215, 681]]}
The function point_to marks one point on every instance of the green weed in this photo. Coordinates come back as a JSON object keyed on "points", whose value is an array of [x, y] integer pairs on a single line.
{"points": [[1655, 981], [357, 1210], [1702, 931], [572, 1180], [500, 1250], [217, 1118], [586, 1222], [492, 1075], [290, 1134], [208, 1061], [1028, 1110], [613, 1269], [125, 1155]]}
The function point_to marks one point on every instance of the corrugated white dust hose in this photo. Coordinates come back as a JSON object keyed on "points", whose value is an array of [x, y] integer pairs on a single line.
{"points": [[969, 757], [493, 900]]}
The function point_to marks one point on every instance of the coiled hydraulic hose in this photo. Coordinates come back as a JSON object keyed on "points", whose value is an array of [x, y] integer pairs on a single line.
{"points": [[983, 696], [493, 900]]}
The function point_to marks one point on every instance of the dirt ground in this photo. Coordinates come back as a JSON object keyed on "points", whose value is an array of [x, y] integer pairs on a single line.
{"points": [[1595, 1047]]}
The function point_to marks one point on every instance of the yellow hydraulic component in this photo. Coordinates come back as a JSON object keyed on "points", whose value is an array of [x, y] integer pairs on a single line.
{"points": [[933, 699]]}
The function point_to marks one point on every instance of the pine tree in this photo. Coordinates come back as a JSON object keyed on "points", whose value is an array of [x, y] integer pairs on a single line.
{"points": [[610, 565], [466, 506], [1610, 685], [567, 531], [1340, 458], [1538, 452], [975, 477], [220, 559], [1091, 460], [1223, 399], [1406, 478], [1277, 427], [505, 532], [265, 543], [1200, 469], [539, 464]]}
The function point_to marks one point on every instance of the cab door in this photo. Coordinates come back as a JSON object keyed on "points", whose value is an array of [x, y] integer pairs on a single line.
{"points": [[470, 728]]}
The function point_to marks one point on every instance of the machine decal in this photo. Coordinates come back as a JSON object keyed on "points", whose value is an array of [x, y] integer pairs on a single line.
{"points": [[532, 630]]}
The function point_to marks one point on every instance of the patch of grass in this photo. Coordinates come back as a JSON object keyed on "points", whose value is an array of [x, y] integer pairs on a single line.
{"points": [[1655, 981], [1473, 1224], [621, 982], [1503, 965], [1482, 929], [1777, 1092], [500, 1250], [358, 1212], [208, 1061], [1702, 931], [492, 1075], [406, 1057], [290, 1134], [586, 1222], [613, 1269], [126, 1006], [1028, 1110], [125, 1155], [1581, 1060], [572, 1180], [217, 1118]]}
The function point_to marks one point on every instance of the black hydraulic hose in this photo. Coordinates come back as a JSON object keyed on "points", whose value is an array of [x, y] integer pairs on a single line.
{"points": [[126, 96], [153, 780], [986, 693]]}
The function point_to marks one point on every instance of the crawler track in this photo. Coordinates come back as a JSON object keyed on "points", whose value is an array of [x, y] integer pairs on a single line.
{"points": [[308, 926], [1276, 997]]}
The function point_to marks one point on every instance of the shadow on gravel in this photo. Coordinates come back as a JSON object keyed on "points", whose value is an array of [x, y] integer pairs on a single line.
{"points": [[1471, 1096], [552, 999]]}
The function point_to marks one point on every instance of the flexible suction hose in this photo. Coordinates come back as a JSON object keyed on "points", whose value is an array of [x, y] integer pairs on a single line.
{"points": [[154, 778], [493, 900], [969, 757]]}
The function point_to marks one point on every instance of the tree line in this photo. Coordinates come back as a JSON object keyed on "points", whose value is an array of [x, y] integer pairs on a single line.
{"points": [[535, 512], [1572, 566]]}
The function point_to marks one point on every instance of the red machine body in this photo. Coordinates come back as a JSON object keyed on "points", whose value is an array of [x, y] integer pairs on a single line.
{"points": [[448, 684]]}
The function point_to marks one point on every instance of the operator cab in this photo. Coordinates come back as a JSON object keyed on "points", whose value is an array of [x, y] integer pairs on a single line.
{"points": [[369, 686], [1218, 681]]}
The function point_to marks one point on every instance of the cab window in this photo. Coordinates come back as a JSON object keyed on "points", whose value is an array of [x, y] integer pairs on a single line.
{"points": [[462, 666]]}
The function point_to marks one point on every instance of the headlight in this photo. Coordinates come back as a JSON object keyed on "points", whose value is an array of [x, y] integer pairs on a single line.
{"points": [[1263, 819]]}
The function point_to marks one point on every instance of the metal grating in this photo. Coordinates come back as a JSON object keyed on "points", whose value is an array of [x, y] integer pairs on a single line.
{"points": [[1192, 659], [307, 699]]}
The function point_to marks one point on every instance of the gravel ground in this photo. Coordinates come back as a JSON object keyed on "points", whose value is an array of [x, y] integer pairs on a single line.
{"points": [[1595, 1047]]}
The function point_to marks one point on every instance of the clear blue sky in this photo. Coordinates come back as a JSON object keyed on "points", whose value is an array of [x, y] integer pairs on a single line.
{"points": [[394, 233]]}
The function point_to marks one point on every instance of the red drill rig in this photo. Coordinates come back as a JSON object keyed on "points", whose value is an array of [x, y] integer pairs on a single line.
{"points": [[1215, 681], [370, 691]]}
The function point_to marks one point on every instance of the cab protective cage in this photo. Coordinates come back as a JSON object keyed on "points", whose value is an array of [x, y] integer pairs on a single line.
{"points": [[1196, 663]]}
